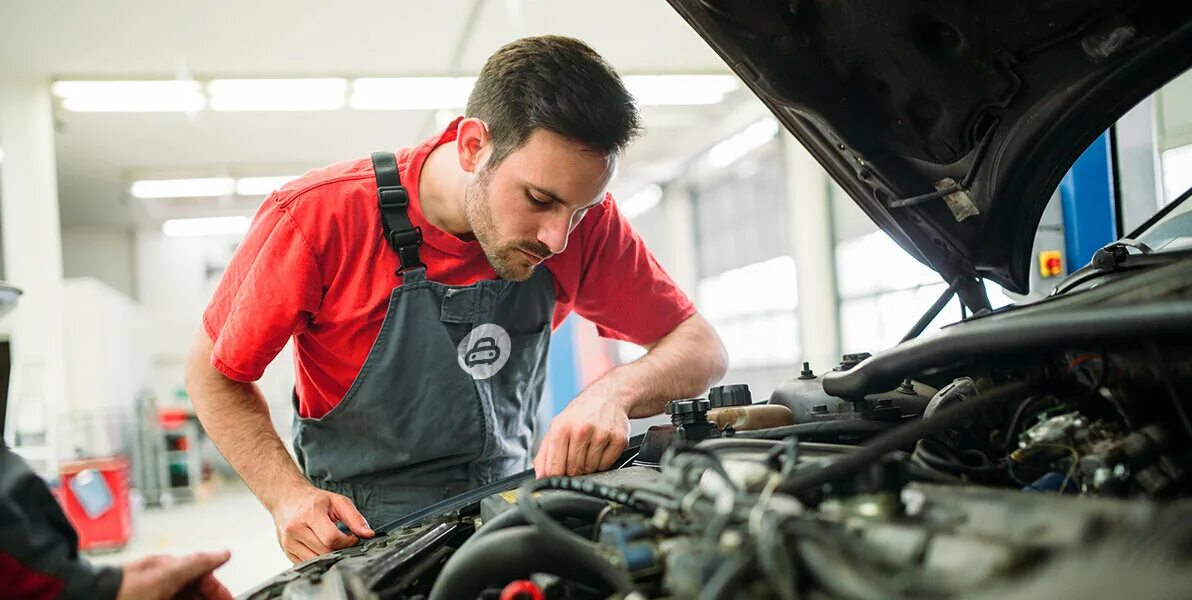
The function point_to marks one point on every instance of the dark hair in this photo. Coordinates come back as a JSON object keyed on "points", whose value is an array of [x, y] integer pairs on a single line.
{"points": [[559, 84]]}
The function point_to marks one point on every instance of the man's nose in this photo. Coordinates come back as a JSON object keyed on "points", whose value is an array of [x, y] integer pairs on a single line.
{"points": [[553, 233]]}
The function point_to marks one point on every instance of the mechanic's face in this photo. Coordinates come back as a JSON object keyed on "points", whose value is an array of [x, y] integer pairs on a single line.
{"points": [[523, 210]]}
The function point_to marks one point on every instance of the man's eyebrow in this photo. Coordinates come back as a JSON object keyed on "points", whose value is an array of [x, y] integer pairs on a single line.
{"points": [[557, 198], [545, 192]]}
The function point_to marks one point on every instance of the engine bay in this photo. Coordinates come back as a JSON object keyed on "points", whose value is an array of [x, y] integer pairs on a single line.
{"points": [[1044, 455]]}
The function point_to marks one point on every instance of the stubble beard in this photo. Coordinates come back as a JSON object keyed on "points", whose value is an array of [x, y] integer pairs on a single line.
{"points": [[505, 258]]}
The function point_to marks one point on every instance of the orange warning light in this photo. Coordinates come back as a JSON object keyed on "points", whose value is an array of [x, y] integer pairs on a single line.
{"points": [[1051, 263]]}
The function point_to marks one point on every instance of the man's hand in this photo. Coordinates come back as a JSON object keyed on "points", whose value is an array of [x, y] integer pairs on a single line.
{"points": [[587, 436], [305, 522], [164, 577]]}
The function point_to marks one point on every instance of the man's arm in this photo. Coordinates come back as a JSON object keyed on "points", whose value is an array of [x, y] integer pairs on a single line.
{"points": [[236, 417], [594, 428]]}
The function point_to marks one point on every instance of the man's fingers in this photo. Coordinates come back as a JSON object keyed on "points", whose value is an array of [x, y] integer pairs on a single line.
{"points": [[190, 568], [556, 463], [612, 452], [299, 552], [300, 540], [595, 455], [540, 461], [311, 540], [329, 535], [344, 510], [577, 453]]}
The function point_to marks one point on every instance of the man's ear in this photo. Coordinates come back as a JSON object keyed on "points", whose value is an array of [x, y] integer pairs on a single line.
{"points": [[473, 144]]}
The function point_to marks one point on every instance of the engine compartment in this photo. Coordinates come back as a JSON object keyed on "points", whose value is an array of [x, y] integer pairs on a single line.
{"points": [[1005, 463]]}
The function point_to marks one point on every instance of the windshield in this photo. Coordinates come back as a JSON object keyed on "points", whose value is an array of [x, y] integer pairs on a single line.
{"points": [[1171, 230]]}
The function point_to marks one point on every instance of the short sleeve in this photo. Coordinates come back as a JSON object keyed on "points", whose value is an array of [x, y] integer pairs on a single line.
{"points": [[269, 292], [622, 288]]}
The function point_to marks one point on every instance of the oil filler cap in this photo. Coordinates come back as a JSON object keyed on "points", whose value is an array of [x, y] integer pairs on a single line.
{"points": [[730, 395], [684, 412]]}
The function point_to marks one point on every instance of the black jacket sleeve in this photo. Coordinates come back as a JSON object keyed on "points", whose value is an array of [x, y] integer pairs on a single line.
{"points": [[39, 550]]}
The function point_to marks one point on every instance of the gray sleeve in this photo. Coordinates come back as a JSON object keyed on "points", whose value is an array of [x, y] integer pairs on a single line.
{"points": [[39, 549]]}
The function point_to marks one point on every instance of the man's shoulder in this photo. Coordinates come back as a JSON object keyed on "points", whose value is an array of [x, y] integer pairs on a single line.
{"points": [[332, 183]]}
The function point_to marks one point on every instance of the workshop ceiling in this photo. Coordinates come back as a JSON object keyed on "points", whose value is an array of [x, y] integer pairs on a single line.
{"points": [[98, 154]]}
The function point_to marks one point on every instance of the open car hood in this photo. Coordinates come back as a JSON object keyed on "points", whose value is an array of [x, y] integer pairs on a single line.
{"points": [[950, 123]]}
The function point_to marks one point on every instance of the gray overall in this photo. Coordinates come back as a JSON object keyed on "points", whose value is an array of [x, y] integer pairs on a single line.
{"points": [[446, 399]]}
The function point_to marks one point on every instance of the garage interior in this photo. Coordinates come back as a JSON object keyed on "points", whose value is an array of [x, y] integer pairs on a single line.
{"points": [[121, 206]]}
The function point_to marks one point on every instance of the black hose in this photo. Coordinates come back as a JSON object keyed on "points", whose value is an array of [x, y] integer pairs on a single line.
{"points": [[854, 428], [563, 505], [902, 437], [517, 553], [937, 455], [725, 582], [560, 536]]}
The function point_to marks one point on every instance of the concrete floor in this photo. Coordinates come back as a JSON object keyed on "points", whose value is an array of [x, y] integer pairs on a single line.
{"points": [[226, 517]]}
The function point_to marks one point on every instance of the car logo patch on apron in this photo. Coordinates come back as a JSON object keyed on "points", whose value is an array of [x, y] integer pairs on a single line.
{"points": [[483, 352]]}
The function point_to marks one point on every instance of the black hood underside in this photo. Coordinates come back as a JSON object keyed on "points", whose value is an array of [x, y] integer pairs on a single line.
{"points": [[950, 123]]}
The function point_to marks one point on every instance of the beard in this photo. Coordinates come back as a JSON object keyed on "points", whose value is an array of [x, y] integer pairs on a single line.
{"points": [[505, 257]]}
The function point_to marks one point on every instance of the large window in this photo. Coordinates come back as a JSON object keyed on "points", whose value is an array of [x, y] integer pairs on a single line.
{"points": [[753, 308], [882, 290], [746, 285]]}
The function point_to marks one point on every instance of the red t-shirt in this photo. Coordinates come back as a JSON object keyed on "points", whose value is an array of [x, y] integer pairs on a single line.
{"points": [[315, 266]]}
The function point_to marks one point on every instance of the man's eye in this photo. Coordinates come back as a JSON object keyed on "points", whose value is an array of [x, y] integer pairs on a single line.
{"points": [[537, 200]]}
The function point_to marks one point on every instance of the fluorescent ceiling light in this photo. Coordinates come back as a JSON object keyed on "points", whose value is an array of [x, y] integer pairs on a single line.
{"points": [[411, 93], [277, 94], [677, 90], [261, 186], [1, 155], [205, 226], [129, 96], [183, 188], [741, 144], [641, 201]]}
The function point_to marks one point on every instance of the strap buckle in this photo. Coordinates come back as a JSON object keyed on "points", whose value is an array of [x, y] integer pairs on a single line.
{"points": [[407, 238], [394, 197]]}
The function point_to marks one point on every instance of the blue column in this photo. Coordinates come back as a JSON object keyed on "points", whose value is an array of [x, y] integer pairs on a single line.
{"points": [[1087, 196], [562, 371]]}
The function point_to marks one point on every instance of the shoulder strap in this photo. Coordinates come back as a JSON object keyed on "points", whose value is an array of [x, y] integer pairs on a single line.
{"points": [[393, 200]]}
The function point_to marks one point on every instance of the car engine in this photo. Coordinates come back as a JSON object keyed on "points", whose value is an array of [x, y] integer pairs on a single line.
{"points": [[1040, 452]]}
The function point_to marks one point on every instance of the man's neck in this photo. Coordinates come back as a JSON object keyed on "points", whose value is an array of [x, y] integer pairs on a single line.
{"points": [[441, 191]]}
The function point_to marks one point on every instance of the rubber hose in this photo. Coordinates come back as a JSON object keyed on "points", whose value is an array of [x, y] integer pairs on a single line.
{"points": [[825, 429], [564, 505], [903, 437], [725, 582], [516, 553]]}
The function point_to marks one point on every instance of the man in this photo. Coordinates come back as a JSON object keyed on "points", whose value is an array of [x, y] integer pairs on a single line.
{"points": [[39, 553], [420, 293]]}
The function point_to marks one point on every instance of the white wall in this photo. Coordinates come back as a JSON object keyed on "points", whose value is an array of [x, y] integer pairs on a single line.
{"points": [[104, 254], [106, 365], [176, 278]]}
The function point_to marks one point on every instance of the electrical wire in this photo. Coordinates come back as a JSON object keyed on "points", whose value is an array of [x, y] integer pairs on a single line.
{"points": [[628, 461], [1071, 468]]}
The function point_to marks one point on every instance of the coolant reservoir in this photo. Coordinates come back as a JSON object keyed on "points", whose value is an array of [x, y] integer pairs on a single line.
{"points": [[732, 406]]}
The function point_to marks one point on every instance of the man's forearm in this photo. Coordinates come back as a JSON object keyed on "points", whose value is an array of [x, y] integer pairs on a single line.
{"points": [[236, 417], [682, 364]]}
